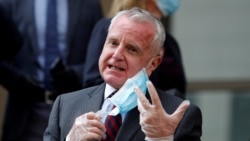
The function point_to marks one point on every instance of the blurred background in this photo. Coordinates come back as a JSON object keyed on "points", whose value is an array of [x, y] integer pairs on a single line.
{"points": [[214, 37]]}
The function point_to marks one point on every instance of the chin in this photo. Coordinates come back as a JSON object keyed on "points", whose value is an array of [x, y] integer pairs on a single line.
{"points": [[114, 82]]}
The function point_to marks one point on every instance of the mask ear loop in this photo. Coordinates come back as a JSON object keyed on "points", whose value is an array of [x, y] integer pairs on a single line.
{"points": [[151, 60], [148, 65]]}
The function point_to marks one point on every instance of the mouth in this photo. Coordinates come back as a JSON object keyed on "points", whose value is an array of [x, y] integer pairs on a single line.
{"points": [[116, 68]]}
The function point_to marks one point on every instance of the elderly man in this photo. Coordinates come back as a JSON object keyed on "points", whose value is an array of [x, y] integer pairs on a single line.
{"points": [[130, 54]]}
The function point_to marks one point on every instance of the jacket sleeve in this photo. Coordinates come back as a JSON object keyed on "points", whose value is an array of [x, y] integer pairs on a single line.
{"points": [[190, 128], [91, 71]]}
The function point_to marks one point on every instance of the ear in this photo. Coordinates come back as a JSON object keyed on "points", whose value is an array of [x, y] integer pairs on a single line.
{"points": [[155, 62]]}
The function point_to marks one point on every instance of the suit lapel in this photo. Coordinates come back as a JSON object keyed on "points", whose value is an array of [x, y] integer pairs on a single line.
{"points": [[131, 129], [94, 100]]}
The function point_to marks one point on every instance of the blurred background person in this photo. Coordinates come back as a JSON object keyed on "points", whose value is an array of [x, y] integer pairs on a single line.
{"points": [[10, 42], [55, 36], [10, 39], [169, 75]]}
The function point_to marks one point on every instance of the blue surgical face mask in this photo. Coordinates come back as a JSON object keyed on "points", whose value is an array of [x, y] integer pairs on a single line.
{"points": [[125, 98], [168, 7]]}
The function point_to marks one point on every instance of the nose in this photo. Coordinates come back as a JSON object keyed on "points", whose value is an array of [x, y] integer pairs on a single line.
{"points": [[118, 53]]}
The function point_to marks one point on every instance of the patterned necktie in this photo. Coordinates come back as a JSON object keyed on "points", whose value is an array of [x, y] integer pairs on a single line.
{"points": [[51, 48], [112, 124]]}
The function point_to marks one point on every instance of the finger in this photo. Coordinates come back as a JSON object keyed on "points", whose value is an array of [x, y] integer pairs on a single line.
{"points": [[89, 120], [180, 111], [83, 119], [94, 128], [143, 103], [97, 124], [90, 115], [92, 136], [97, 132], [100, 114], [154, 95]]}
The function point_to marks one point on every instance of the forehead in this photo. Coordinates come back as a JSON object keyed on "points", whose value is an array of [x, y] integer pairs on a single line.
{"points": [[133, 30]]}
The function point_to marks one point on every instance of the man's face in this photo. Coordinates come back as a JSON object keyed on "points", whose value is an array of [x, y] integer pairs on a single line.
{"points": [[126, 51]]}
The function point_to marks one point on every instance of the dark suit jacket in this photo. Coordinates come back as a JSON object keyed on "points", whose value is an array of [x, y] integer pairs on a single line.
{"points": [[69, 106], [82, 16], [170, 74], [10, 39]]}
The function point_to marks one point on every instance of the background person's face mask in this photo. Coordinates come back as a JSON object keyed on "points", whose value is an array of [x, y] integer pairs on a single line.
{"points": [[168, 7], [125, 98]]}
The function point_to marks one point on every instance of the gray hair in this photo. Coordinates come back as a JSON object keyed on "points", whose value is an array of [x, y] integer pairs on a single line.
{"points": [[137, 14]]}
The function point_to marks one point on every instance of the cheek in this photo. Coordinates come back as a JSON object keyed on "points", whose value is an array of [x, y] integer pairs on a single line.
{"points": [[101, 61], [134, 66], [100, 64], [104, 57], [105, 53]]}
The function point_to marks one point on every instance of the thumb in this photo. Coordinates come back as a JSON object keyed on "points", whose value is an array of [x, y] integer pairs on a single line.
{"points": [[180, 111]]}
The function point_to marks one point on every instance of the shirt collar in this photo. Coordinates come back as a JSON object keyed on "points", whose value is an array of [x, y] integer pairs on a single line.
{"points": [[108, 90]]}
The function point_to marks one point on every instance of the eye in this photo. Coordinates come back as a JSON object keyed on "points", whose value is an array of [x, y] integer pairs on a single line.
{"points": [[112, 43], [133, 49]]}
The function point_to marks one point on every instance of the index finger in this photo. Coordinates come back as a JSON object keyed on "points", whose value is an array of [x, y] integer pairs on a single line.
{"points": [[143, 103], [154, 95]]}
